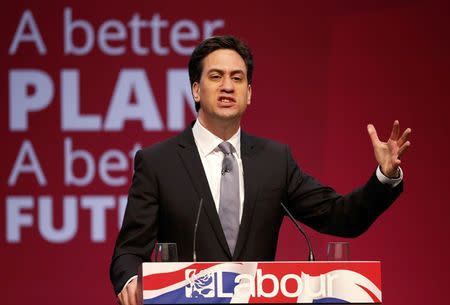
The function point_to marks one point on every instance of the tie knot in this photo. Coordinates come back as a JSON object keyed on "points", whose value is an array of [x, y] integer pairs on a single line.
{"points": [[225, 147]]}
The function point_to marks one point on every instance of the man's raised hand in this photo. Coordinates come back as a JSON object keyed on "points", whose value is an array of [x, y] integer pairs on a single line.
{"points": [[388, 153]]}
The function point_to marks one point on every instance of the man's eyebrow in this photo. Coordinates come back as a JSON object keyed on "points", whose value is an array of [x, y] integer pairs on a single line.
{"points": [[216, 70], [237, 71], [222, 71]]}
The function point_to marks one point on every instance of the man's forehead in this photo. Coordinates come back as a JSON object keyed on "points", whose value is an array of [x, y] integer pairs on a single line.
{"points": [[224, 60]]}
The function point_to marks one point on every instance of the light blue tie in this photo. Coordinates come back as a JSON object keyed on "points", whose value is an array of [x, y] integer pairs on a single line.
{"points": [[229, 196]]}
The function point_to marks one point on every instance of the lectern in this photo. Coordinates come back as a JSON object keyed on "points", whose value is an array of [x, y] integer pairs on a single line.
{"points": [[261, 282]]}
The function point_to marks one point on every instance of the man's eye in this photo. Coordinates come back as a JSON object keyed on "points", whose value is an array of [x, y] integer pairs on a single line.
{"points": [[237, 78], [215, 76]]}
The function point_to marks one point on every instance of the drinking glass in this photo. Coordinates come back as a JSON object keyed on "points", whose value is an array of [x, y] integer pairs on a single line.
{"points": [[166, 252], [338, 251]]}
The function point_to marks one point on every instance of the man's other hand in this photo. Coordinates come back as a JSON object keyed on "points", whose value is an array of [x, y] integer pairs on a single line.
{"points": [[129, 294], [388, 153]]}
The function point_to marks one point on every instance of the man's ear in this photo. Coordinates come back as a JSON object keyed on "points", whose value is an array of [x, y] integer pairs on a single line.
{"points": [[196, 92], [249, 94]]}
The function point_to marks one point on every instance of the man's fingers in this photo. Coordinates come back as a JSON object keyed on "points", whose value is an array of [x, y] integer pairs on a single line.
{"points": [[373, 134], [395, 130], [135, 293], [123, 297], [403, 148], [130, 297], [404, 137], [131, 291], [128, 294]]}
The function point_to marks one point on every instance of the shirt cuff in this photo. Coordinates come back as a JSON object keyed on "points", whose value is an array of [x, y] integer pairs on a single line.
{"points": [[392, 182], [129, 280]]}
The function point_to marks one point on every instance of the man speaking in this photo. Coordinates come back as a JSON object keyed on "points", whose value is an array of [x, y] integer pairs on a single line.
{"points": [[241, 180]]}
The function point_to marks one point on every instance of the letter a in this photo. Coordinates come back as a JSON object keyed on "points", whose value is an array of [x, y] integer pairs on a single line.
{"points": [[144, 109], [33, 36], [21, 167]]}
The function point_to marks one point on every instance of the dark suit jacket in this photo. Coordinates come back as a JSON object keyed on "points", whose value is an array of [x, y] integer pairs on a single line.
{"points": [[169, 182]]}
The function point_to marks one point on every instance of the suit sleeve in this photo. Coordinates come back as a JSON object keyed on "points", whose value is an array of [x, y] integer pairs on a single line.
{"points": [[137, 235], [326, 211]]}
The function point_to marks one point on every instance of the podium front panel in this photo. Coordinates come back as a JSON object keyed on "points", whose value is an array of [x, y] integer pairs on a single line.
{"points": [[261, 282]]}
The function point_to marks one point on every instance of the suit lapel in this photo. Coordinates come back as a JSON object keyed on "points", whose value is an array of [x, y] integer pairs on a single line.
{"points": [[250, 168], [189, 155]]}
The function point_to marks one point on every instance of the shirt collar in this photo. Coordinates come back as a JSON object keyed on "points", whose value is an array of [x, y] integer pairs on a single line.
{"points": [[207, 142]]}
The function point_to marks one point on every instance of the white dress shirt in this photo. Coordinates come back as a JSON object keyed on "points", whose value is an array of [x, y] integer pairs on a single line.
{"points": [[212, 157]]}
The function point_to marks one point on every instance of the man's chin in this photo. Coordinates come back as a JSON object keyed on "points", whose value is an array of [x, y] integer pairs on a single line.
{"points": [[229, 115]]}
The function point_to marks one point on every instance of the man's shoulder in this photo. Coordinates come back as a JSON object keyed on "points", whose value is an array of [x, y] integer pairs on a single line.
{"points": [[262, 143], [167, 146]]}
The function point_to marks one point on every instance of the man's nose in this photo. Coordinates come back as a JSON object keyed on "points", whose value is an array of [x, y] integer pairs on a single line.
{"points": [[227, 84]]}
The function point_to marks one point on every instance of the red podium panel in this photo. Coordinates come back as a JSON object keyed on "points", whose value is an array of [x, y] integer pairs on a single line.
{"points": [[261, 282]]}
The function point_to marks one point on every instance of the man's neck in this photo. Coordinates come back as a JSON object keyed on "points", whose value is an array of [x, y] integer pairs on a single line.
{"points": [[220, 128]]}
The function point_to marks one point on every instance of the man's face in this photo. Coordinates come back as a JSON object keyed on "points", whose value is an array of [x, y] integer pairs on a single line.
{"points": [[223, 90]]}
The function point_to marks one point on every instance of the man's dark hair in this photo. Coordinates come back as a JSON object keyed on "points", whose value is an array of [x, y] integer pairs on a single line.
{"points": [[216, 43]]}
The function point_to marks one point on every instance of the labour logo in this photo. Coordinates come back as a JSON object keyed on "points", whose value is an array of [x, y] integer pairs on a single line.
{"points": [[200, 285]]}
